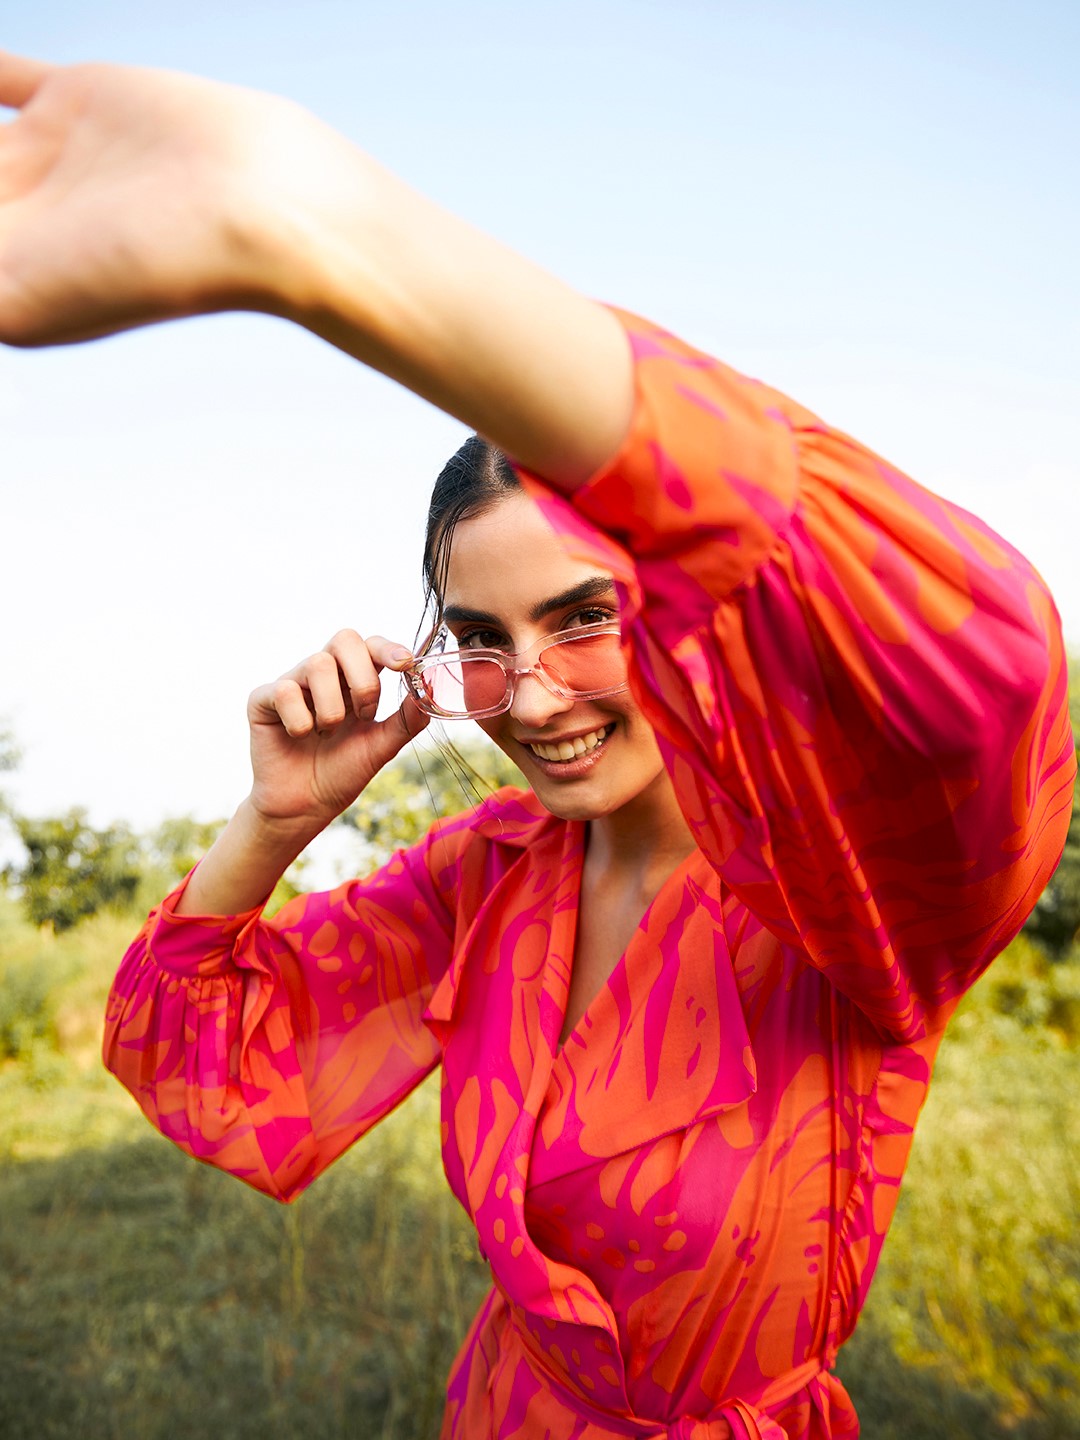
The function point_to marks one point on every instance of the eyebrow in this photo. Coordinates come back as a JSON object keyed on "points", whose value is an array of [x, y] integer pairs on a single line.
{"points": [[596, 587]]}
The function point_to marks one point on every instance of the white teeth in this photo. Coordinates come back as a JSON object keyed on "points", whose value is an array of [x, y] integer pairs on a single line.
{"points": [[570, 749]]}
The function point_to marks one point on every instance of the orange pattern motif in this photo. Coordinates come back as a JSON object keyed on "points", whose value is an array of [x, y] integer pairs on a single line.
{"points": [[859, 692]]}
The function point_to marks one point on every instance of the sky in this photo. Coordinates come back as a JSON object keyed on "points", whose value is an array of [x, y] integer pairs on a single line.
{"points": [[873, 208]]}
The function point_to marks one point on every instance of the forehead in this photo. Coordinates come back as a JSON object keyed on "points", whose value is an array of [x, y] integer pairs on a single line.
{"points": [[507, 560]]}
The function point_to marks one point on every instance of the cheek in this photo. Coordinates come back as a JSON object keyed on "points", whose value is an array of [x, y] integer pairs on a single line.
{"points": [[638, 731], [493, 729], [625, 708]]}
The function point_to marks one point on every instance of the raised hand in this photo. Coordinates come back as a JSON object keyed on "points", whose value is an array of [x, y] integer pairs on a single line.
{"points": [[128, 196], [315, 742]]}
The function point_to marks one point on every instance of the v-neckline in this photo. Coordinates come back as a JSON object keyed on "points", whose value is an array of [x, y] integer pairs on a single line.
{"points": [[587, 1019]]}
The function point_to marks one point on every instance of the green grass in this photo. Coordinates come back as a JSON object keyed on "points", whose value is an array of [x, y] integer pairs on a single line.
{"points": [[146, 1296], [149, 1296], [973, 1324]]}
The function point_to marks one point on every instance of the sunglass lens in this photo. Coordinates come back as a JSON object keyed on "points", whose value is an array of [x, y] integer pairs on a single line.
{"points": [[588, 665], [463, 686]]}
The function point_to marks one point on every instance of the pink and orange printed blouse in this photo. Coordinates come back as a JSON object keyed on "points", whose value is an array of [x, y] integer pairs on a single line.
{"points": [[859, 692]]}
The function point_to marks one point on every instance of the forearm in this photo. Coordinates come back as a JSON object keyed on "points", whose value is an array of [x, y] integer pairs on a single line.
{"points": [[133, 196], [389, 277], [243, 865]]}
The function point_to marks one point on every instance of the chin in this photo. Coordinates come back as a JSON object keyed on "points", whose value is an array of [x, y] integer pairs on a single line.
{"points": [[564, 807], [581, 801]]}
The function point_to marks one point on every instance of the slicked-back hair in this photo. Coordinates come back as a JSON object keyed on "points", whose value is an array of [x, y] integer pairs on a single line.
{"points": [[470, 482]]}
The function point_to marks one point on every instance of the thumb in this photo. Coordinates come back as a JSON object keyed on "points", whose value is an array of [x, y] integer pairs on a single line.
{"points": [[387, 737]]}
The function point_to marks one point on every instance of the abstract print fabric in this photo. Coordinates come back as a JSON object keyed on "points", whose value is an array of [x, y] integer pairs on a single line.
{"points": [[859, 692]]}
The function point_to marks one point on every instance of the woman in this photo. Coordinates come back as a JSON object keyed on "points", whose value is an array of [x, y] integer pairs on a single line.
{"points": [[686, 993]]}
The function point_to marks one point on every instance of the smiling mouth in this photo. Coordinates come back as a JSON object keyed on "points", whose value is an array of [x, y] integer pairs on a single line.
{"points": [[564, 751]]}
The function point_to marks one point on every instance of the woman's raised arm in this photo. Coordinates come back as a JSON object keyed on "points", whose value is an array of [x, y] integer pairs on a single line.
{"points": [[131, 196]]}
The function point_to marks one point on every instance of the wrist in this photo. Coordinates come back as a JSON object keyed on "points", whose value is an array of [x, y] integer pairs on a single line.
{"points": [[245, 862], [277, 838], [299, 219]]}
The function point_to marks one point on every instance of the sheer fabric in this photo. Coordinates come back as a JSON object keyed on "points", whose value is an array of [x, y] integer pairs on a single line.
{"points": [[859, 692]]}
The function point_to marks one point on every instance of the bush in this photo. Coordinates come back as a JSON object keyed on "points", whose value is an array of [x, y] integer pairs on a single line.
{"points": [[27, 1011]]}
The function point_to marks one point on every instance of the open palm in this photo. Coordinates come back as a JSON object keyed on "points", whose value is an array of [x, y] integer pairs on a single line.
{"points": [[126, 196]]}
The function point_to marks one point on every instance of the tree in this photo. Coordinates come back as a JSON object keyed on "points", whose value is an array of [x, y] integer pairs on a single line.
{"points": [[9, 751], [1055, 920], [72, 870], [10, 755], [177, 845], [418, 788]]}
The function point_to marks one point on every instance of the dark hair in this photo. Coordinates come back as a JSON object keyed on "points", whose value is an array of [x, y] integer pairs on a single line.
{"points": [[471, 481]]}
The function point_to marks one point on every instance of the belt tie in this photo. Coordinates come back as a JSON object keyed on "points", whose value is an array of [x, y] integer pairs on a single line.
{"points": [[736, 1421]]}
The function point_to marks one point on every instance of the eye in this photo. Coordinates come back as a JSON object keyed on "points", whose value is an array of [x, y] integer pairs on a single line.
{"points": [[481, 640], [591, 615]]}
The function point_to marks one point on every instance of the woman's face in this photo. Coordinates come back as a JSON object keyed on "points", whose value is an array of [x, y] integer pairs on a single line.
{"points": [[509, 583]]}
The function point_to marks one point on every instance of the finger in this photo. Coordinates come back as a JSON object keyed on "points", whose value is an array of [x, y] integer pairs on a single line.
{"points": [[321, 677], [389, 654], [20, 78], [285, 703], [360, 671]]}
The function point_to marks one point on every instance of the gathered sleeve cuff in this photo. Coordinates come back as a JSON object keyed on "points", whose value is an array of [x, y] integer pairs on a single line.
{"points": [[267, 1047], [859, 689]]}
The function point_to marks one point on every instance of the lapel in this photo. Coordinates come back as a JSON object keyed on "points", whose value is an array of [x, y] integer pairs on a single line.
{"points": [[661, 1046], [498, 1013]]}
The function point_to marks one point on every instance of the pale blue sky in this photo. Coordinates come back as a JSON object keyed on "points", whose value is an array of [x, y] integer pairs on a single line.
{"points": [[874, 208]]}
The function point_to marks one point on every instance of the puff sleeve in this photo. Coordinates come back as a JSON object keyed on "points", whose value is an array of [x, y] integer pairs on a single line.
{"points": [[267, 1047], [859, 690]]}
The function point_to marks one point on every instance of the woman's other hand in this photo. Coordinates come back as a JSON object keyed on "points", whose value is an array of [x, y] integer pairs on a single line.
{"points": [[129, 196], [315, 741]]}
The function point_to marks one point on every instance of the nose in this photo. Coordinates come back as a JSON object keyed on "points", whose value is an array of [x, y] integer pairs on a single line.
{"points": [[534, 704]]}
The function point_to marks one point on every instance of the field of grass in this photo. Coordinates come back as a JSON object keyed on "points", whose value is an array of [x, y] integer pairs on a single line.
{"points": [[146, 1296]]}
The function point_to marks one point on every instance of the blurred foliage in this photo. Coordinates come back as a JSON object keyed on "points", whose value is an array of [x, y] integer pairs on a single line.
{"points": [[169, 852], [145, 1295], [977, 1303], [72, 870], [26, 1009], [426, 781], [178, 844], [1055, 920], [9, 751]]}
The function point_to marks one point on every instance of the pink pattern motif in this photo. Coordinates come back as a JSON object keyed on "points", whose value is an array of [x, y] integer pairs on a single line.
{"points": [[860, 695]]}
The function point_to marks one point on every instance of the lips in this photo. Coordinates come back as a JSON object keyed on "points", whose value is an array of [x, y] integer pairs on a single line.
{"points": [[563, 751]]}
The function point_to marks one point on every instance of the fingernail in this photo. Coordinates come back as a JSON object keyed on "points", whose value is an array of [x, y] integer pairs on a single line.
{"points": [[399, 653]]}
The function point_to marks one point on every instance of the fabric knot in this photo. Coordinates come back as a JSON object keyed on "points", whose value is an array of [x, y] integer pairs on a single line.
{"points": [[738, 1420], [687, 1428]]}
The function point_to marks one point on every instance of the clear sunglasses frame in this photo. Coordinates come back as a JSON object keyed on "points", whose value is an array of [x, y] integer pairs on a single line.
{"points": [[512, 670]]}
